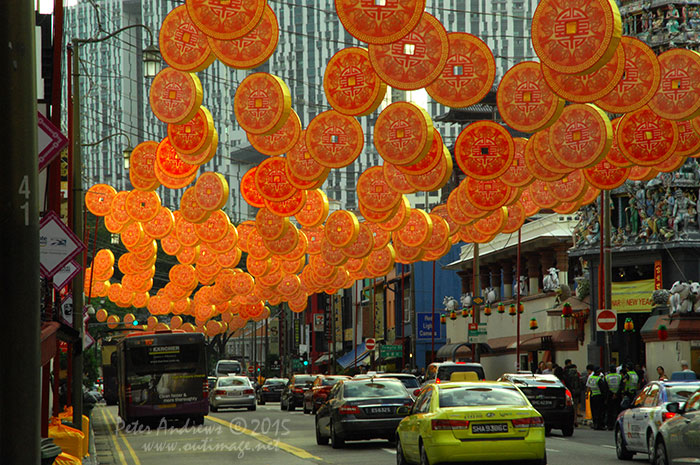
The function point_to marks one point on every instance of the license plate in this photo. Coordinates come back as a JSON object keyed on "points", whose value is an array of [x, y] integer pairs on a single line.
{"points": [[489, 428], [234, 393], [379, 410], [543, 403]]}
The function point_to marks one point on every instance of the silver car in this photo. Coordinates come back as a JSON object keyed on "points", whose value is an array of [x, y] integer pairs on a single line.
{"points": [[232, 391]]}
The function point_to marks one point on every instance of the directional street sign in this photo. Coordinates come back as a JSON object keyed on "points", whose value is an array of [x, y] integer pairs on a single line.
{"points": [[606, 320], [390, 351], [477, 334], [65, 275], [57, 244], [50, 141]]}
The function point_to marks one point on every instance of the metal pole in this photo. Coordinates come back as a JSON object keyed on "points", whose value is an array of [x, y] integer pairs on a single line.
{"points": [[403, 328], [331, 352], [517, 303], [357, 318], [607, 269], [432, 335], [476, 353], [20, 391], [77, 226], [412, 292]]}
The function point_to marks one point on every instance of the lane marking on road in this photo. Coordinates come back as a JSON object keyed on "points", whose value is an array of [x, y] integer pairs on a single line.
{"points": [[391, 451], [122, 459], [301, 453], [552, 450], [607, 446], [132, 452]]}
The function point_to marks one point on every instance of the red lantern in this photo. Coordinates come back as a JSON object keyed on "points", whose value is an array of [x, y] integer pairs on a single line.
{"points": [[533, 324], [521, 308], [453, 315], [465, 312], [501, 308], [487, 309], [442, 319], [662, 332], [511, 310], [629, 326], [566, 310]]}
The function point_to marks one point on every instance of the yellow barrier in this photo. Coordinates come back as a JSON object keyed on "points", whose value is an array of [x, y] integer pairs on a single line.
{"points": [[66, 459], [70, 440], [589, 415], [67, 414]]}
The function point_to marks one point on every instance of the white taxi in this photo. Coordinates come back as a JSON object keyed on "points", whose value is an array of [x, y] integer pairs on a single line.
{"points": [[636, 427]]}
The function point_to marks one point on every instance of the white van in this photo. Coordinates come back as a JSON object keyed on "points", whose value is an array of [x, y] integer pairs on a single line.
{"points": [[228, 367]]}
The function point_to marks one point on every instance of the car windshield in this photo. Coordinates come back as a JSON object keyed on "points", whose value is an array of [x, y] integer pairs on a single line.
{"points": [[445, 372], [330, 380], [680, 393], [375, 389], [547, 382], [410, 382], [227, 382], [229, 367], [275, 381], [304, 379], [481, 395]]}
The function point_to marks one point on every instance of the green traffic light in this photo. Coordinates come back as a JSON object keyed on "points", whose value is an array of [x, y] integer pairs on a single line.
{"points": [[306, 362]]}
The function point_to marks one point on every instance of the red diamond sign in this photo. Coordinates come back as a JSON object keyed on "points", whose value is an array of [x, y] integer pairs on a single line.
{"points": [[57, 244], [50, 141]]}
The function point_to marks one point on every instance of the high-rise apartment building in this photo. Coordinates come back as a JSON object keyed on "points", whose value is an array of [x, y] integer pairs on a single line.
{"points": [[115, 94]]}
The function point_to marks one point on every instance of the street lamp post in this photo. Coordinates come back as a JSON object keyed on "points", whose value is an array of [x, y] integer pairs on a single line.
{"points": [[151, 61], [126, 152]]}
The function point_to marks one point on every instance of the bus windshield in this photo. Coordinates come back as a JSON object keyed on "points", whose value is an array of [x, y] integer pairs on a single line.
{"points": [[163, 374]]}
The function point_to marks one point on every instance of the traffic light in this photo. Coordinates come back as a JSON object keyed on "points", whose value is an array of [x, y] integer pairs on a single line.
{"points": [[305, 360]]}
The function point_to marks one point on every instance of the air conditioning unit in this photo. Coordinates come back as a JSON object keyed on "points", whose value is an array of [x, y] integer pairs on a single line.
{"points": [[407, 310]]}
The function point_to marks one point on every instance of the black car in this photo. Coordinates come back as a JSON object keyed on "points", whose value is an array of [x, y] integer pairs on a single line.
{"points": [[550, 397], [409, 381], [271, 390], [362, 409], [293, 393]]}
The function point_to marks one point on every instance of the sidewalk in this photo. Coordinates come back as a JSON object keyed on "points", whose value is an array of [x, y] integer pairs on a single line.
{"points": [[101, 445]]}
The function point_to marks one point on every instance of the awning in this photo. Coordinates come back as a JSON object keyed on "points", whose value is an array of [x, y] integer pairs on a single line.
{"points": [[348, 359], [561, 340], [453, 351], [322, 360]]}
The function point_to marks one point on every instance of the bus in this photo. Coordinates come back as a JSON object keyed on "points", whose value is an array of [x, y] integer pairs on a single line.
{"points": [[162, 374], [109, 371]]}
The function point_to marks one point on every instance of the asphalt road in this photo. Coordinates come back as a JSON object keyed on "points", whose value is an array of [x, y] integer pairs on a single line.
{"points": [[270, 436]]}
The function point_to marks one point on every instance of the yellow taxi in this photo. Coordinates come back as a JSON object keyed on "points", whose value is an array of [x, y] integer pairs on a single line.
{"points": [[471, 422]]}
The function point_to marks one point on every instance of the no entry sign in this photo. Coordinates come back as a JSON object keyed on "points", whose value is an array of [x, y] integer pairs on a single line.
{"points": [[606, 320]]}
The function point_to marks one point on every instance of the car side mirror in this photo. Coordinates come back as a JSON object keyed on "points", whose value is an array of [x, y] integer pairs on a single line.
{"points": [[674, 407], [416, 392]]}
